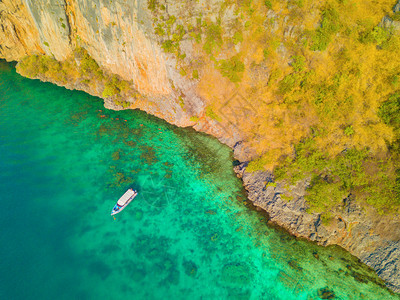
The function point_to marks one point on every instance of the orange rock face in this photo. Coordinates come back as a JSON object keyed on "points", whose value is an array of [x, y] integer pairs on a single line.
{"points": [[18, 33], [110, 32]]}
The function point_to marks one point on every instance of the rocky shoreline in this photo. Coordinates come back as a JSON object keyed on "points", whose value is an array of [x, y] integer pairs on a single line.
{"points": [[352, 228]]}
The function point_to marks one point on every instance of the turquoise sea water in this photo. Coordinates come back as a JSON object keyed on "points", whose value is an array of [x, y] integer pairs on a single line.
{"points": [[65, 160]]}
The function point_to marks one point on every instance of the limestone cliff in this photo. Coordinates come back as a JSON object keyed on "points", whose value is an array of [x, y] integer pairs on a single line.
{"points": [[174, 55]]}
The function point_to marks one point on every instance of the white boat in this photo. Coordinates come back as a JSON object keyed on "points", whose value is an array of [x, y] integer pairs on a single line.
{"points": [[124, 201]]}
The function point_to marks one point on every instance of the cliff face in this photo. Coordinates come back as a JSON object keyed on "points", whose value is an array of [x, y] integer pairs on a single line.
{"points": [[122, 38], [117, 34], [19, 35]]}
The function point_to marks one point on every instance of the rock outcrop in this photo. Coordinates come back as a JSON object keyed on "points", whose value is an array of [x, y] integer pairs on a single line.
{"points": [[120, 36]]}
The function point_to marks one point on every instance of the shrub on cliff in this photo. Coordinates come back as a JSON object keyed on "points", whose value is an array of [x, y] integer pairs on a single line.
{"points": [[231, 68], [211, 114], [213, 37], [114, 86], [30, 66], [46, 67], [88, 66]]}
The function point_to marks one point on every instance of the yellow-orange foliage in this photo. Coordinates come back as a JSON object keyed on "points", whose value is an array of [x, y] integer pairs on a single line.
{"points": [[336, 93]]}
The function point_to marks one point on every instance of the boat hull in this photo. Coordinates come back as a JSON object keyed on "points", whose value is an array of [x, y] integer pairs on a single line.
{"points": [[114, 212], [117, 209]]}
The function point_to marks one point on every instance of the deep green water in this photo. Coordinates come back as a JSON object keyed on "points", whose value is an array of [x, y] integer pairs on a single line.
{"points": [[65, 160]]}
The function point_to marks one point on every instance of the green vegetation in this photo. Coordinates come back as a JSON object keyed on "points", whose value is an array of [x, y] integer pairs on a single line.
{"points": [[330, 25], [171, 38], [159, 30], [349, 130], [377, 36], [298, 63], [213, 37], [195, 74], [88, 66], [396, 16], [237, 37], [80, 67], [389, 112], [257, 164], [152, 4], [232, 68], [182, 71], [351, 172], [211, 114], [181, 102], [114, 86], [169, 46], [270, 184], [288, 83], [274, 76], [124, 104], [268, 4], [36, 65], [297, 80], [194, 118]]}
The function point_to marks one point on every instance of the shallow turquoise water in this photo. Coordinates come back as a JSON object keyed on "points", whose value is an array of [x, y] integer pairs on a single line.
{"points": [[65, 160]]}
